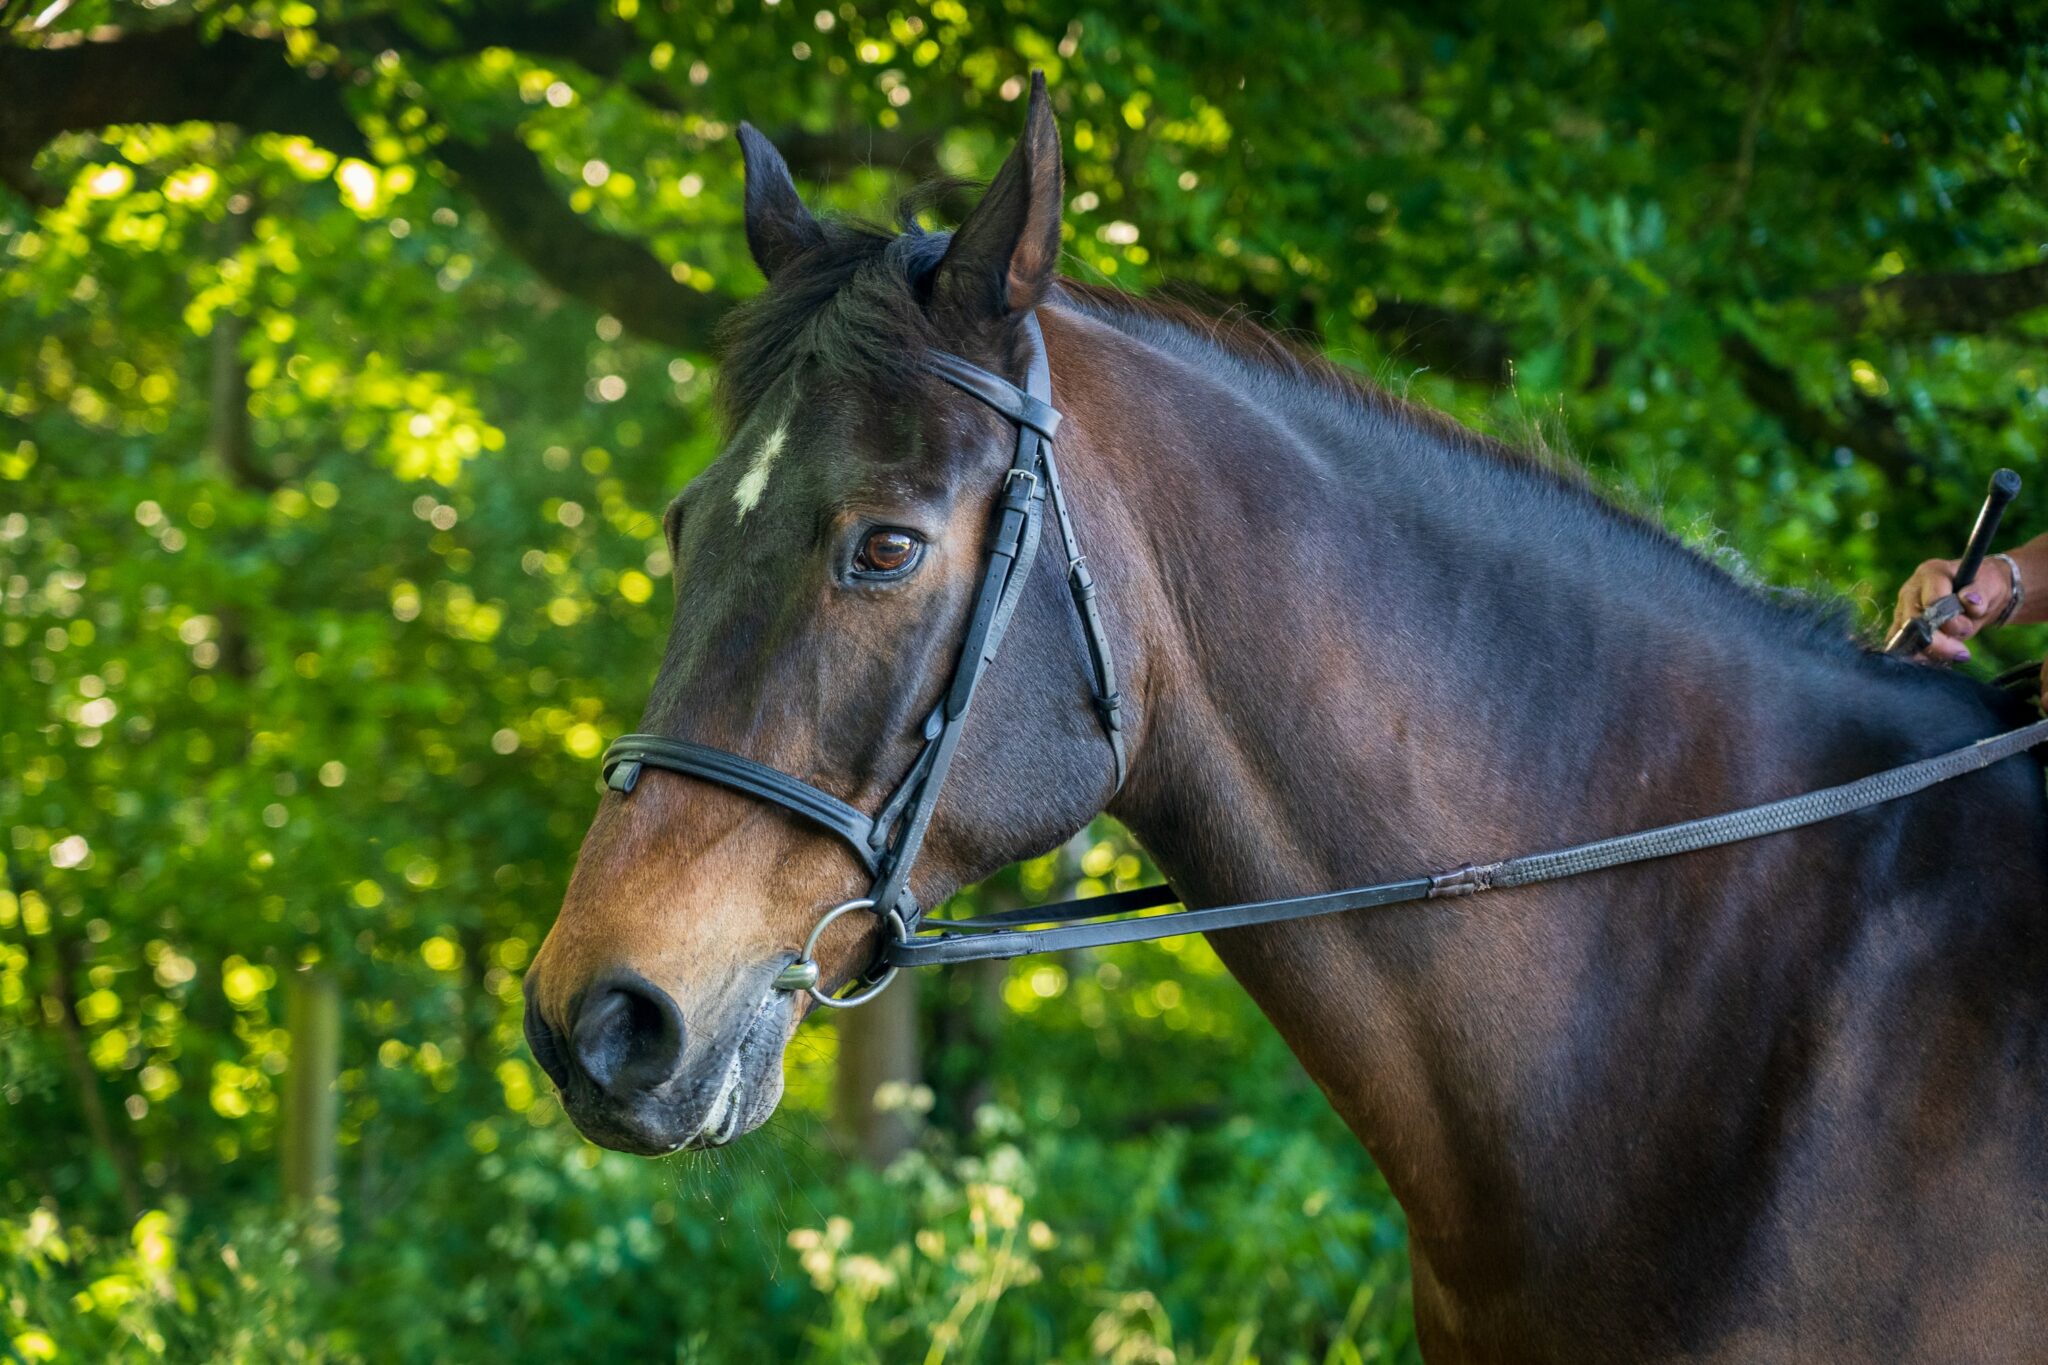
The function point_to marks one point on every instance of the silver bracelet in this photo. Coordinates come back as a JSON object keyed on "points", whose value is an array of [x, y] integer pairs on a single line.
{"points": [[2019, 590]]}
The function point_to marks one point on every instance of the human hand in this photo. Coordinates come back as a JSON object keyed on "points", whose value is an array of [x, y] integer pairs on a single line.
{"points": [[1982, 601]]}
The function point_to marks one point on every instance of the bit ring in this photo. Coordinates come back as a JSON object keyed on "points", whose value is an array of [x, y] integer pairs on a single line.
{"points": [[803, 974]]}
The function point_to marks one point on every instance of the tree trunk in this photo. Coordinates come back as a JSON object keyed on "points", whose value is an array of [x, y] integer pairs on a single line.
{"points": [[64, 965], [312, 1107], [878, 1046], [969, 1019], [227, 434]]}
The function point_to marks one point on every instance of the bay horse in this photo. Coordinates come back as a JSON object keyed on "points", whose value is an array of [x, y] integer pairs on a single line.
{"points": [[1783, 1100]]}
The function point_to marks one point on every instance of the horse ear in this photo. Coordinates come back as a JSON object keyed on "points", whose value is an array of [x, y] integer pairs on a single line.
{"points": [[779, 227], [1002, 259]]}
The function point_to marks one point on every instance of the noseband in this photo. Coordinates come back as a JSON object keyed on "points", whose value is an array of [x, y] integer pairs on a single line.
{"points": [[888, 843]]}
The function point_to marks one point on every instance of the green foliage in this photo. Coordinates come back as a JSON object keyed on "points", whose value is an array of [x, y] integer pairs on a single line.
{"points": [[1031, 1235], [327, 685], [71, 1296]]}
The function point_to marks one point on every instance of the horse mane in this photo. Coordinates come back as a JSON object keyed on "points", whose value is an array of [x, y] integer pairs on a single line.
{"points": [[854, 307], [855, 303], [1167, 321]]}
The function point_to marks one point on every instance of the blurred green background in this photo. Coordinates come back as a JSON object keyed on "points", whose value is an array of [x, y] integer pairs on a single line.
{"points": [[348, 353]]}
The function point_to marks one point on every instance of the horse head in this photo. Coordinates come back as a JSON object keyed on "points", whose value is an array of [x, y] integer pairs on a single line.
{"points": [[826, 567]]}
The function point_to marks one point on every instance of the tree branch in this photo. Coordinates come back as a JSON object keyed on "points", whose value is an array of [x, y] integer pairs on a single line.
{"points": [[1443, 340], [1446, 341], [585, 36], [1777, 47], [228, 433], [174, 74], [1957, 301], [171, 75], [1868, 428], [614, 273]]}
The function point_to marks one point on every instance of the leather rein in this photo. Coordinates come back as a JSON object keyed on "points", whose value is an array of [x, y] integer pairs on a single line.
{"points": [[887, 843]]}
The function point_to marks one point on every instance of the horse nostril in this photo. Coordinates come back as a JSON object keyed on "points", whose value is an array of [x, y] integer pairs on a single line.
{"points": [[627, 1034]]}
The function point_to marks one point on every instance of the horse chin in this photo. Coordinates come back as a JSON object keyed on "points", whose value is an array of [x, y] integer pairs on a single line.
{"points": [[748, 1094]]}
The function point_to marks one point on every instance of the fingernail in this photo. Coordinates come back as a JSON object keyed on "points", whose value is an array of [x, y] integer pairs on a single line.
{"points": [[1963, 656], [1973, 599]]}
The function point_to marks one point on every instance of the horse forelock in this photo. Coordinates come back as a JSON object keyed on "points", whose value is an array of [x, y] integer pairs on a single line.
{"points": [[852, 307]]}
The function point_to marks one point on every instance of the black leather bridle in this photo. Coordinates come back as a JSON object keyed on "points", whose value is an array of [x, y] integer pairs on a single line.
{"points": [[887, 843]]}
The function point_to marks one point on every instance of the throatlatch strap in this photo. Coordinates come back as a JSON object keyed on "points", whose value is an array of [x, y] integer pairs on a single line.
{"points": [[1109, 702]]}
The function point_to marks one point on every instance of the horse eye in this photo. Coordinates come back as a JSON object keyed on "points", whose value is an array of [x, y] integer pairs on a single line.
{"points": [[885, 553]]}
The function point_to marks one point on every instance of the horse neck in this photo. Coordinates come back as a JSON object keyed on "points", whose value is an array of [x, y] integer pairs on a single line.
{"points": [[1361, 653], [1359, 641]]}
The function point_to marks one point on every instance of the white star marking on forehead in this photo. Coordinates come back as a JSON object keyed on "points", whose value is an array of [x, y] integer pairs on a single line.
{"points": [[746, 494]]}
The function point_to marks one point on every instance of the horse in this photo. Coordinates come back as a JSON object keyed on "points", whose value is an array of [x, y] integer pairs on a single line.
{"points": [[1781, 1100]]}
